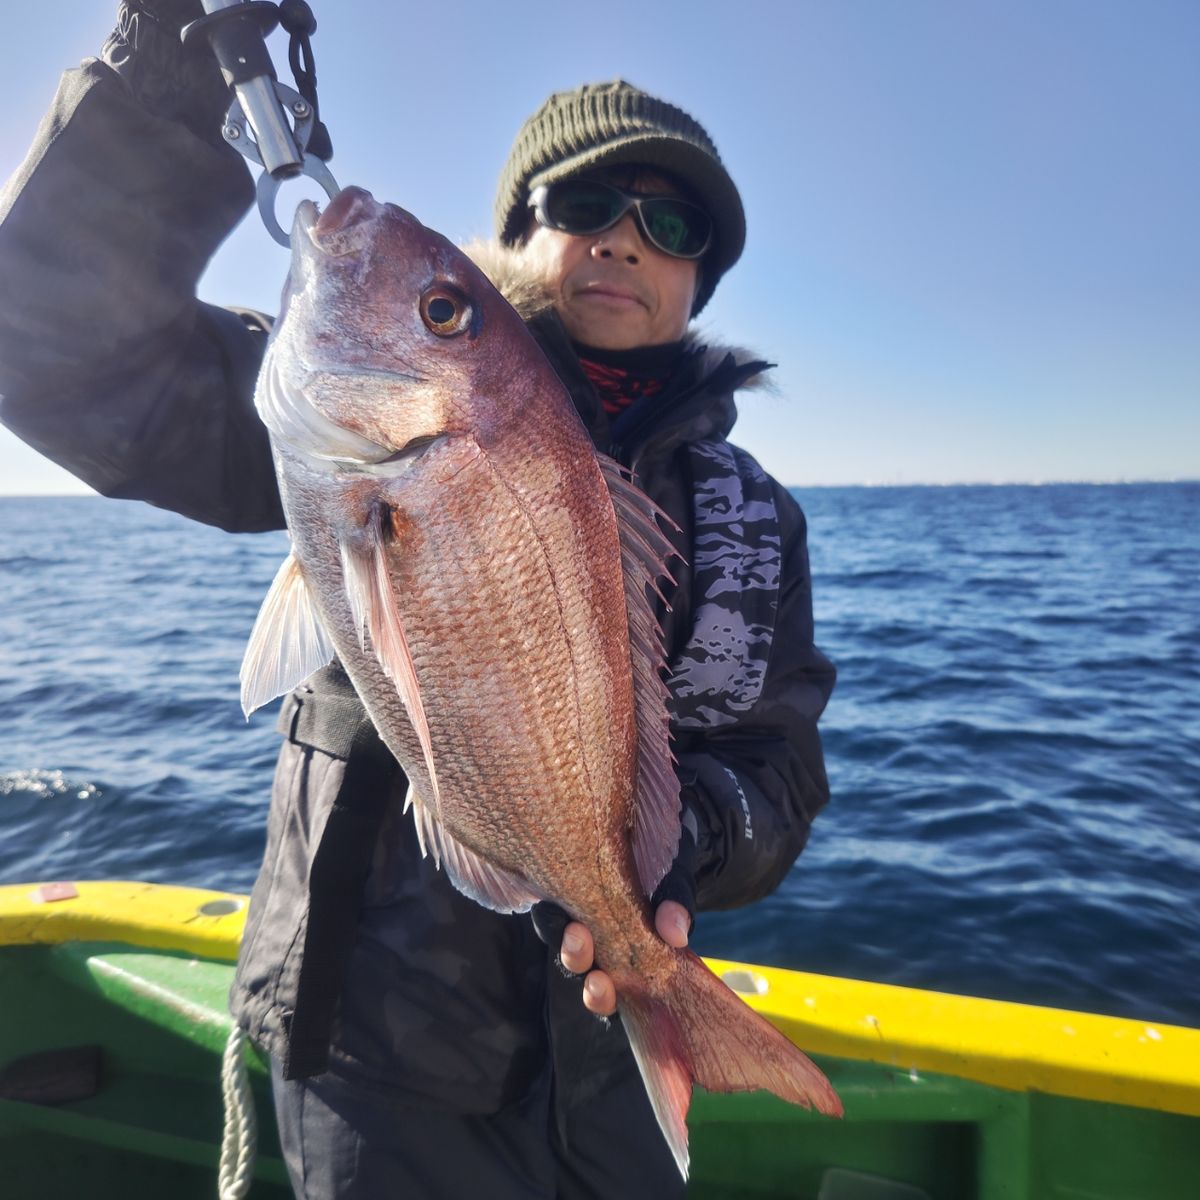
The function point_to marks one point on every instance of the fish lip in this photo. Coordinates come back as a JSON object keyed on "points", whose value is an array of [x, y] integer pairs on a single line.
{"points": [[307, 215], [347, 221], [342, 228]]}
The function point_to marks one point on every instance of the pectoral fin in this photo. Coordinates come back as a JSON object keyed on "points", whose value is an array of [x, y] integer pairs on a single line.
{"points": [[376, 615], [288, 642]]}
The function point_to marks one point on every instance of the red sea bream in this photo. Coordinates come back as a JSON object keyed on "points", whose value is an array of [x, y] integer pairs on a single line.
{"points": [[485, 578]]}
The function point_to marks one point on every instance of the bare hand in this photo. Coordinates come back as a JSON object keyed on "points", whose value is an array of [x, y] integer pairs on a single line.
{"points": [[672, 922]]}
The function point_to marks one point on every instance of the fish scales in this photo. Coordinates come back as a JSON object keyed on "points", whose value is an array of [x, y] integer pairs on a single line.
{"points": [[540, 733], [457, 543], [503, 745]]}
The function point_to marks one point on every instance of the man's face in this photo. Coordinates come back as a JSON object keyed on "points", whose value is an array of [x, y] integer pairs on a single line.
{"points": [[613, 289]]}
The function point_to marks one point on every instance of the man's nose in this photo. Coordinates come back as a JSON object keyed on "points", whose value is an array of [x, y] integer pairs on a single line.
{"points": [[623, 240]]}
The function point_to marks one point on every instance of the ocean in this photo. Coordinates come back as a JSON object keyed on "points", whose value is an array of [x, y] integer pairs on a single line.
{"points": [[1013, 744]]}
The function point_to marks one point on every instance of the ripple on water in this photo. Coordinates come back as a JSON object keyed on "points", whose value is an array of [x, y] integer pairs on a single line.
{"points": [[1013, 746]]}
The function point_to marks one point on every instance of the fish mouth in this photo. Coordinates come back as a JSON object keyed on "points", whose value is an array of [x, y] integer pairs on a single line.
{"points": [[350, 207], [338, 230], [306, 217]]}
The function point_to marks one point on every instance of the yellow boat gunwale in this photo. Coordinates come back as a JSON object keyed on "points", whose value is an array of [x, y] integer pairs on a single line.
{"points": [[1017, 1047]]}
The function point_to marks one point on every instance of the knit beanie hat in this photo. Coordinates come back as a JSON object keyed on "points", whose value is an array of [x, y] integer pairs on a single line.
{"points": [[605, 124]]}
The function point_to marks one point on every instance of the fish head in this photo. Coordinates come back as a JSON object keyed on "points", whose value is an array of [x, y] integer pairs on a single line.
{"points": [[390, 338], [393, 369]]}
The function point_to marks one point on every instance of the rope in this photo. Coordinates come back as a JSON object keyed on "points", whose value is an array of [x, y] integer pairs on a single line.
{"points": [[298, 21], [239, 1142]]}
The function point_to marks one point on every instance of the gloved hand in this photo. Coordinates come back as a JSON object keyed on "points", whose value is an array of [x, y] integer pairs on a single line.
{"points": [[679, 883], [179, 84], [674, 904], [549, 923]]}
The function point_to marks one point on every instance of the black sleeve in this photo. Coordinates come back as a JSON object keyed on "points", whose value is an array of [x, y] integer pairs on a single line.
{"points": [[109, 365], [755, 786]]}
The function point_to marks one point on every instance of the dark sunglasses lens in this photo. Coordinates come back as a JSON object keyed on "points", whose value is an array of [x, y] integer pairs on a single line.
{"points": [[583, 207], [676, 227]]}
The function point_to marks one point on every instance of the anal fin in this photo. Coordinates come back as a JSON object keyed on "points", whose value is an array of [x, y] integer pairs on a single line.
{"points": [[475, 877]]}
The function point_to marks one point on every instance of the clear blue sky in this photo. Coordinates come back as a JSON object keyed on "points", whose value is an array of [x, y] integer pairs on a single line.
{"points": [[974, 241]]}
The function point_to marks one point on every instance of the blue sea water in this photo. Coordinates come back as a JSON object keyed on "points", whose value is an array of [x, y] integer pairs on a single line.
{"points": [[1014, 743]]}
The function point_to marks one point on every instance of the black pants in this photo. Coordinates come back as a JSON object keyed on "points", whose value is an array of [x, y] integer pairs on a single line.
{"points": [[341, 1143]]}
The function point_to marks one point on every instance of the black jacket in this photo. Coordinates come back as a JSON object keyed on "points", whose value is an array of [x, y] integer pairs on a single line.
{"points": [[111, 367]]}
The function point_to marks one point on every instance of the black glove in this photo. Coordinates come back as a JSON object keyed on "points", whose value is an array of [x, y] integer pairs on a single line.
{"points": [[679, 883], [179, 84], [549, 923]]}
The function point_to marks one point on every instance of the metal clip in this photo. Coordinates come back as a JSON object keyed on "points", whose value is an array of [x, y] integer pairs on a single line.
{"points": [[268, 122], [280, 151]]}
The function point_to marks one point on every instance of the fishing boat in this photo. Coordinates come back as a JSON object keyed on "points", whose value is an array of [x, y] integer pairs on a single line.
{"points": [[115, 1031]]}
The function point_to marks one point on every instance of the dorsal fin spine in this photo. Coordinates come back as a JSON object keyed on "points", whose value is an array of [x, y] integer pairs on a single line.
{"points": [[645, 550]]}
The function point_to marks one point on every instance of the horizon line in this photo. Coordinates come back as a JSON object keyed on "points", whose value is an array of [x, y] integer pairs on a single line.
{"points": [[890, 483]]}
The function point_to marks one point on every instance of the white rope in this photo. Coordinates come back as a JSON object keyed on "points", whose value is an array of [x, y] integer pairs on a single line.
{"points": [[239, 1143]]}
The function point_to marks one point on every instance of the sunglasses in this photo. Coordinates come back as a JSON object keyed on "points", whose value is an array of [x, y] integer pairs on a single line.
{"points": [[581, 206]]}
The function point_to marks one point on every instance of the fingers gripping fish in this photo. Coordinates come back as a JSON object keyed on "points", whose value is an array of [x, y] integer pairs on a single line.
{"points": [[483, 575]]}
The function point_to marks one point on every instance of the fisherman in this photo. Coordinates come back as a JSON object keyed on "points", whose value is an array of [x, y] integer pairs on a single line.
{"points": [[420, 1044]]}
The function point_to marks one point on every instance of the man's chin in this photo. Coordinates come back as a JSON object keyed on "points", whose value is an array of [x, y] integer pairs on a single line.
{"points": [[609, 331]]}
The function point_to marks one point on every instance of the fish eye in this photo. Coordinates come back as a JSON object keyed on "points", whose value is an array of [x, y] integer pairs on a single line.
{"points": [[445, 310]]}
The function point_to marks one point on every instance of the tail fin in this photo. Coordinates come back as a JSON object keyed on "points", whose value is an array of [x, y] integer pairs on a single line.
{"points": [[703, 1032]]}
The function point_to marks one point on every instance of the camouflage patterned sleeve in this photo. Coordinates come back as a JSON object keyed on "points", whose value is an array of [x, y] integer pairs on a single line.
{"points": [[109, 365], [756, 785]]}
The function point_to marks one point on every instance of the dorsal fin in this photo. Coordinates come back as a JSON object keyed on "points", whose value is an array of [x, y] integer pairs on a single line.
{"points": [[645, 550], [288, 642]]}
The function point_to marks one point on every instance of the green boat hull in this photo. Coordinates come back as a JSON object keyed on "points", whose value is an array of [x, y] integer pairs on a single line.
{"points": [[110, 1062]]}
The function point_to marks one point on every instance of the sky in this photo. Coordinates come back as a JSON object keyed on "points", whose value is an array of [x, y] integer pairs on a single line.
{"points": [[973, 245]]}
